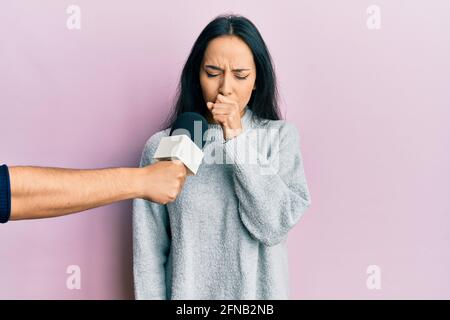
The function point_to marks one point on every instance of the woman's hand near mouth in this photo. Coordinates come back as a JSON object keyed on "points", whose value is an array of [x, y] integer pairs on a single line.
{"points": [[227, 113]]}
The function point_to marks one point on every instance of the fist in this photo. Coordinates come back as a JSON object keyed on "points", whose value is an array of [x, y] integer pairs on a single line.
{"points": [[164, 181], [227, 113]]}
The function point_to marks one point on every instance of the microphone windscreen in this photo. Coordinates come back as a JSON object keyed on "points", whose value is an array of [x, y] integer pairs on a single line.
{"points": [[191, 124]]}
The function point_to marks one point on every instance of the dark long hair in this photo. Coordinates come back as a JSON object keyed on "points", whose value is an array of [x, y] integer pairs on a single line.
{"points": [[264, 99]]}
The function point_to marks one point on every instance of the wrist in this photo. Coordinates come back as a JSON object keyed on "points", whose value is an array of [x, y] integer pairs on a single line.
{"points": [[232, 133], [135, 185]]}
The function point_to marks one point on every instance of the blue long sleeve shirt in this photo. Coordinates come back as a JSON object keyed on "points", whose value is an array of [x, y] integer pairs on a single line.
{"points": [[5, 194]]}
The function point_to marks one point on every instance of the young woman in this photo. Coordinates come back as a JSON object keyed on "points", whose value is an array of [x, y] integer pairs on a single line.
{"points": [[224, 237]]}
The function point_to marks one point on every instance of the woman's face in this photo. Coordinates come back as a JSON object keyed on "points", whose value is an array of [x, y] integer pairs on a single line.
{"points": [[228, 68]]}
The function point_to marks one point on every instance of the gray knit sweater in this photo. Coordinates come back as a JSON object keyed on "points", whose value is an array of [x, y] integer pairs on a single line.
{"points": [[224, 237]]}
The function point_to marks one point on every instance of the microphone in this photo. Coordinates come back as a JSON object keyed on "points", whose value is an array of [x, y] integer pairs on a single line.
{"points": [[185, 142]]}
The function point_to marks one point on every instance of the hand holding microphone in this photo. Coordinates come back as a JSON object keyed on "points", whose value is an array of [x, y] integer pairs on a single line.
{"points": [[163, 181], [178, 155], [185, 142], [40, 192]]}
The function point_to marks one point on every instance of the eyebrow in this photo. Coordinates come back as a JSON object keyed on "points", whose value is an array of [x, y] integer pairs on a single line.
{"points": [[219, 69]]}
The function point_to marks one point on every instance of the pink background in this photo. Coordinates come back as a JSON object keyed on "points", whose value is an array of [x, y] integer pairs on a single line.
{"points": [[372, 108]]}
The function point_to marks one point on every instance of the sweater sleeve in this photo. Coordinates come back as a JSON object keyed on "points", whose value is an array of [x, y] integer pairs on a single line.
{"points": [[5, 194], [151, 240], [272, 190]]}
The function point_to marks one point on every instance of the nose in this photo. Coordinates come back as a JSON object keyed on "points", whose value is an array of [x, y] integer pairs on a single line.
{"points": [[225, 87]]}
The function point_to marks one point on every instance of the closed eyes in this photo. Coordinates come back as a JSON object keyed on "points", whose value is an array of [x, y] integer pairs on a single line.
{"points": [[237, 76]]}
